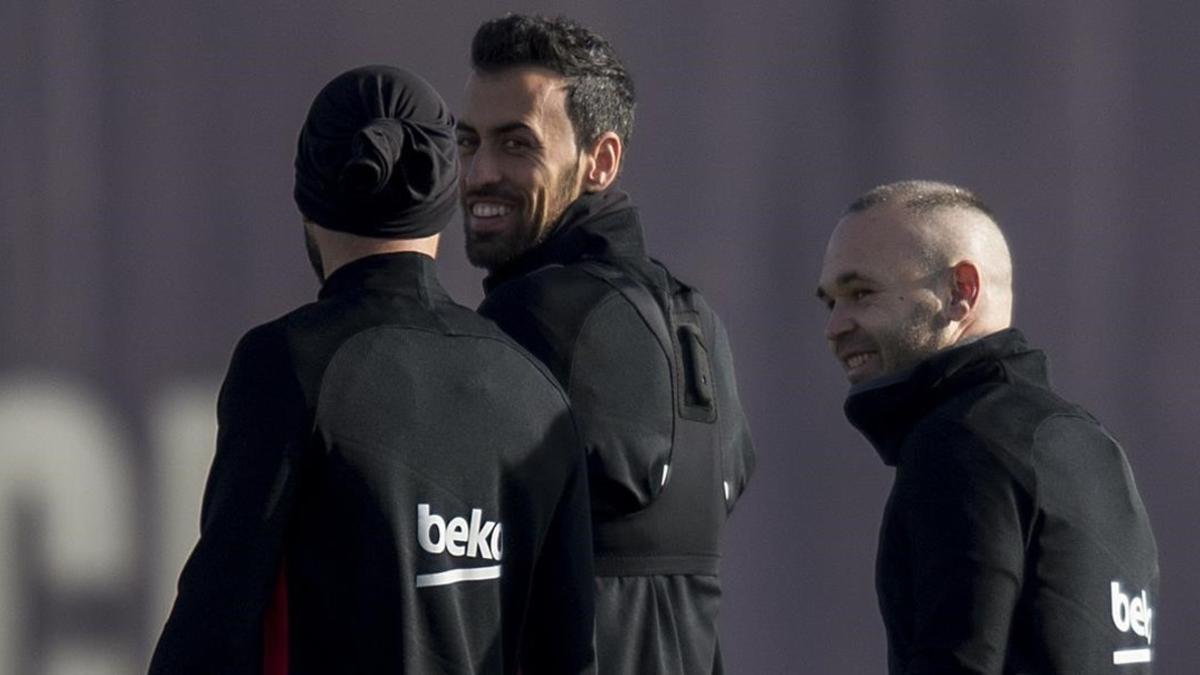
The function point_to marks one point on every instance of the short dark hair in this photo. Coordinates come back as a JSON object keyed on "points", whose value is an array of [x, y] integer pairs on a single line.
{"points": [[600, 94], [920, 196]]}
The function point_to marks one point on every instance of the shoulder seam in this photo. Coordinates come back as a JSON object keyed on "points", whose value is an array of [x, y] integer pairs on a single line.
{"points": [[504, 342]]}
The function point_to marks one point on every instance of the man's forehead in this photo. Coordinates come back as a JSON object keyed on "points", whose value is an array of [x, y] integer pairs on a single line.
{"points": [[890, 227], [872, 245]]}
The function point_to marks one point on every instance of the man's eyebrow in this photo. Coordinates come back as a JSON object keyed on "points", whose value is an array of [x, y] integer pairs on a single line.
{"points": [[502, 129], [514, 126], [851, 277], [841, 280]]}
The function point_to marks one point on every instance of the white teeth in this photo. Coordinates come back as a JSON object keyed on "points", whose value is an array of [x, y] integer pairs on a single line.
{"points": [[857, 360], [487, 210]]}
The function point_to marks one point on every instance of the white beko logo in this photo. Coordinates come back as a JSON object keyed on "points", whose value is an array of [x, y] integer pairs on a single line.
{"points": [[1131, 614], [458, 538]]}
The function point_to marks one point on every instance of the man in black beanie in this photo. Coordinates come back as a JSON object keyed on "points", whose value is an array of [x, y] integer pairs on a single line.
{"points": [[397, 487], [645, 361]]}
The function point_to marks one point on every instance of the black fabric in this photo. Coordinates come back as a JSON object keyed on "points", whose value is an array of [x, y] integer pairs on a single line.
{"points": [[378, 156], [337, 422], [597, 226], [590, 304], [1014, 539]]}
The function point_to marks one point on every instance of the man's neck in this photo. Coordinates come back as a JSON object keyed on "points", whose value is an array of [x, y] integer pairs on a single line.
{"points": [[340, 248]]}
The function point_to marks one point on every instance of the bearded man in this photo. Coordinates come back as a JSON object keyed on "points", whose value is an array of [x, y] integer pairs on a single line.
{"points": [[645, 362]]}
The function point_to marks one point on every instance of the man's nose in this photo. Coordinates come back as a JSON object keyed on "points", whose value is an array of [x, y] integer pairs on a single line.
{"points": [[838, 324], [480, 169]]}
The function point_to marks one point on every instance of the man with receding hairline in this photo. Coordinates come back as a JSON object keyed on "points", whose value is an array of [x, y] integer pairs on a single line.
{"points": [[1014, 539]]}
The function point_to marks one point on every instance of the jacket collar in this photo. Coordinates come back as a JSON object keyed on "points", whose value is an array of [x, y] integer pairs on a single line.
{"points": [[602, 225], [885, 410], [387, 272]]}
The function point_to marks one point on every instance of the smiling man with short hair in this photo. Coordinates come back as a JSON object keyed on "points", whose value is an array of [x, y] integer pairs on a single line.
{"points": [[645, 362], [1014, 539]]}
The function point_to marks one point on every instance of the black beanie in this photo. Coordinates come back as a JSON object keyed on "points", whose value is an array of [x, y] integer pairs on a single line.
{"points": [[377, 156]]}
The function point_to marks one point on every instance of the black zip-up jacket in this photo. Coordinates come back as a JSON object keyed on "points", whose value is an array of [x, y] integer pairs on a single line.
{"points": [[1014, 539], [662, 483], [403, 480]]}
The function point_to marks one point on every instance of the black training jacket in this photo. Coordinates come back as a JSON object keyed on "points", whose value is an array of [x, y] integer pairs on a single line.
{"points": [[662, 482], [1014, 539], [397, 488]]}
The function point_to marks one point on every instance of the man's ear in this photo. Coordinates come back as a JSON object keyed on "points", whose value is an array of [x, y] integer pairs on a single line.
{"points": [[602, 162], [964, 290]]}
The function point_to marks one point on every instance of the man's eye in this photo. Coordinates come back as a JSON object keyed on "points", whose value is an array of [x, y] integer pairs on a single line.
{"points": [[514, 144], [860, 294], [466, 143]]}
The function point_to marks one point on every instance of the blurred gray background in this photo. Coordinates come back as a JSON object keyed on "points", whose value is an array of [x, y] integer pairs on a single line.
{"points": [[146, 221]]}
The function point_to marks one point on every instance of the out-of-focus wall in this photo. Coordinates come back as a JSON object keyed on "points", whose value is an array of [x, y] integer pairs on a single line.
{"points": [[146, 221]]}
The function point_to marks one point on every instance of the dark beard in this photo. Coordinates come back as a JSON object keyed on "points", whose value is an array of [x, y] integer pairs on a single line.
{"points": [[497, 250], [493, 251]]}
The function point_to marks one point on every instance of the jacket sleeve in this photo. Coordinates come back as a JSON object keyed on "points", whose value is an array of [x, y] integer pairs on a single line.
{"points": [[965, 521], [616, 375], [620, 389], [216, 624], [737, 448], [559, 631]]}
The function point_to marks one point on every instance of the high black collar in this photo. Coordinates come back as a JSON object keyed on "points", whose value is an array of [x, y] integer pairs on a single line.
{"points": [[887, 409], [386, 272], [602, 225]]}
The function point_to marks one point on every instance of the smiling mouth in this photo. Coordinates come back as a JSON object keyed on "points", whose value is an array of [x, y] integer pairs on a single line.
{"points": [[856, 361], [490, 210]]}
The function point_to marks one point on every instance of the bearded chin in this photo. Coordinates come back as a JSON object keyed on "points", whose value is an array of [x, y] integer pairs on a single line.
{"points": [[493, 251], [483, 253]]}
